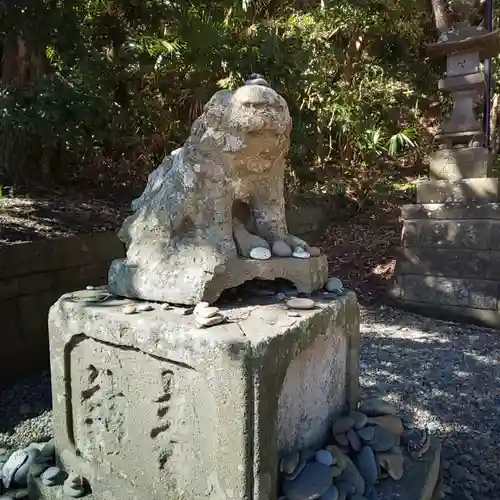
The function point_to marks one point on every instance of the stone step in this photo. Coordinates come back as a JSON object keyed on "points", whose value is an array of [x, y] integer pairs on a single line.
{"points": [[455, 164], [445, 291], [467, 234], [452, 263], [485, 190], [483, 317], [438, 211]]}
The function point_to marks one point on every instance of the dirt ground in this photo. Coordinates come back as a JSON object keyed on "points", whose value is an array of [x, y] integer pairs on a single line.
{"points": [[49, 214]]}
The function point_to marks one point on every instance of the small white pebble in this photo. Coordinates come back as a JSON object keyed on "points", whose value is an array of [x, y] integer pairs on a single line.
{"points": [[301, 255], [200, 306], [166, 306], [301, 303], [206, 312], [212, 321], [129, 309], [90, 287], [145, 307], [334, 285], [260, 253]]}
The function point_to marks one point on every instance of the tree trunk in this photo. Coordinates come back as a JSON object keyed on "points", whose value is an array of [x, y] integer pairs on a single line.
{"points": [[20, 63], [440, 15], [494, 130]]}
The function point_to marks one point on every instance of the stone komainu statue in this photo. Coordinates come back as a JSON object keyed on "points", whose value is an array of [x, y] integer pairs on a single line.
{"points": [[217, 197]]}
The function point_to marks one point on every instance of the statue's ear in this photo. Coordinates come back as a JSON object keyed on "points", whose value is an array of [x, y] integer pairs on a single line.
{"points": [[218, 102]]}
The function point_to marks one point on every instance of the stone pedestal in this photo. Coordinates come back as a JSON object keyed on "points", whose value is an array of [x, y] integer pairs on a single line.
{"points": [[451, 240], [150, 406]]}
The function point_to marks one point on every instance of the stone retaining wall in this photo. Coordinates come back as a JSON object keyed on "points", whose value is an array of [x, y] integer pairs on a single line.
{"points": [[449, 262], [33, 275]]}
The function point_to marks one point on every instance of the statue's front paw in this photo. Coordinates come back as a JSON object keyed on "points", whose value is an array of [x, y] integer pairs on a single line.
{"points": [[295, 243], [291, 246], [287, 245], [246, 242]]}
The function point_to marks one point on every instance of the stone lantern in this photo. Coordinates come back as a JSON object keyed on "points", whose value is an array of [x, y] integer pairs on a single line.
{"points": [[451, 237]]}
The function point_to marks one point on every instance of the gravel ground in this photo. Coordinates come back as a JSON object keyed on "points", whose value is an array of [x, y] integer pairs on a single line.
{"points": [[446, 374]]}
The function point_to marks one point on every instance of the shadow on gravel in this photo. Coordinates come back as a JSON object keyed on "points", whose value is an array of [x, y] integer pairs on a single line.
{"points": [[448, 376], [25, 411]]}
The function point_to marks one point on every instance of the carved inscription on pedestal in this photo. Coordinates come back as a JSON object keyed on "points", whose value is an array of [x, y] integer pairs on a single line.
{"points": [[137, 417], [103, 406], [162, 432]]}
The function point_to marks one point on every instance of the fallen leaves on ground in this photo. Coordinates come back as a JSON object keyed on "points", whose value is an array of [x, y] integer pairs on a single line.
{"points": [[48, 215], [361, 250]]}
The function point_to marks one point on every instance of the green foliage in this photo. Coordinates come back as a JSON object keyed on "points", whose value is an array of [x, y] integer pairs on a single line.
{"points": [[125, 78]]}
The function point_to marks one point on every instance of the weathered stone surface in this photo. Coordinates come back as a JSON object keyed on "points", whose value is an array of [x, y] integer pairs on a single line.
{"points": [[160, 409], [464, 46], [290, 462], [235, 272], [221, 193], [342, 425], [392, 463], [360, 419], [462, 82], [374, 407], [485, 317], [464, 138], [447, 266], [483, 190], [58, 253], [451, 211], [451, 236], [310, 484], [494, 236], [390, 422], [353, 439], [420, 479], [455, 164], [367, 433], [351, 478], [453, 263], [32, 276], [462, 117], [475, 293], [367, 465], [338, 456], [462, 234]]}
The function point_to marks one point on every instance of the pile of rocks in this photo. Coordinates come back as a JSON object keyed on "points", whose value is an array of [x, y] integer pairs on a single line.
{"points": [[283, 250], [206, 316], [37, 460], [365, 447]]}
